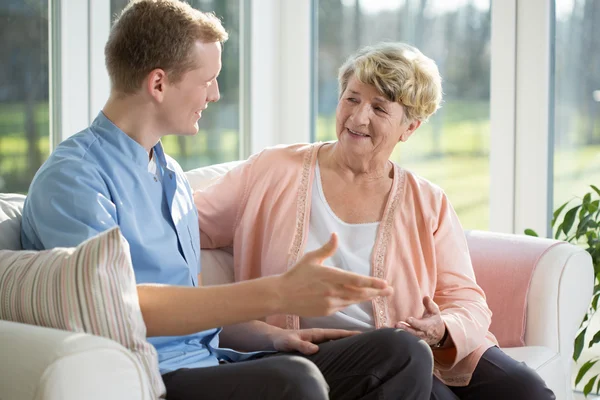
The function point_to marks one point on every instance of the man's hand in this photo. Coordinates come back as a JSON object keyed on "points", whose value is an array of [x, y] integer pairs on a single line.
{"points": [[430, 327], [305, 340], [310, 289]]}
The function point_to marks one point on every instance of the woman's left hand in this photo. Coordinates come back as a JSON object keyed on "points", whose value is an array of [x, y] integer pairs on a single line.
{"points": [[430, 327]]}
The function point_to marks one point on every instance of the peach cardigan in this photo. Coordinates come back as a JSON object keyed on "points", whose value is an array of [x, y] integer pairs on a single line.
{"points": [[262, 209]]}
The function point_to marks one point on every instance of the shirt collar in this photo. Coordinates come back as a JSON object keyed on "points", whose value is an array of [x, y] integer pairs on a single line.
{"points": [[129, 147]]}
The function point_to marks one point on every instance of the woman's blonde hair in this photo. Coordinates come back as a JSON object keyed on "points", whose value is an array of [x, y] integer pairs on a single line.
{"points": [[401, 73], [150, 34]]}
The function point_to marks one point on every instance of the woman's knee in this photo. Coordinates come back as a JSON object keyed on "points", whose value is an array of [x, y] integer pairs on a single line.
{"points": [[499, 373], [297, 378], [528, 385]]}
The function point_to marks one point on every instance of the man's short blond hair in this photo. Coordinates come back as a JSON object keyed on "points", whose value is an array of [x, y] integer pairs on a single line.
{"points": [[150, 34], [401, 73]]}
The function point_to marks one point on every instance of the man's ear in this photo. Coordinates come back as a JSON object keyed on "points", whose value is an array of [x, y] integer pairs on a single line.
{"points": [[412, 127], [156, 83]]}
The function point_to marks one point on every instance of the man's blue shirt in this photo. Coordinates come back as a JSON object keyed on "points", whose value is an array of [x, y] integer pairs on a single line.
{"points": [[98, 179]]}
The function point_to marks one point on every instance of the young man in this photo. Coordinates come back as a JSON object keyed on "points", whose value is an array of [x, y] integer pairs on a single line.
{"points": [[163, 58]]}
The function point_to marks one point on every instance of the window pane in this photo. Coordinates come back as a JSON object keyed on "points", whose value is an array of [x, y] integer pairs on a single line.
{"points": [[577, 99], [24, 126], [218, 138], [451, 149]]}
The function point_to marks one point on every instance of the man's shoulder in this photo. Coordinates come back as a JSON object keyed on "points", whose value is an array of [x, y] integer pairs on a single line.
{"points": [[73, 160]]}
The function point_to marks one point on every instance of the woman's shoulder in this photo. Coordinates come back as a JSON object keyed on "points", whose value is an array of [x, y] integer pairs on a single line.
{"points": [[417, 184], [283, 156]]}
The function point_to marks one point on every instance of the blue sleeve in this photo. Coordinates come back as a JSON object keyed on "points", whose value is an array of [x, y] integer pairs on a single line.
{"points": [[68, 202]]}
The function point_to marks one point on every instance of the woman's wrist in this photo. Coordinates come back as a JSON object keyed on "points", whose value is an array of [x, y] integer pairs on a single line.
{"points": [[443, 340]]}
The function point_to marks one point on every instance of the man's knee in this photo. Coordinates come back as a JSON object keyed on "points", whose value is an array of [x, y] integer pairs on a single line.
{"points": [[400, 347], [297, 378]]}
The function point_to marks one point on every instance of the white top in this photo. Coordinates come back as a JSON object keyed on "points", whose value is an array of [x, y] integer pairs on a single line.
{"points": [[355, 246], [153, 168]]}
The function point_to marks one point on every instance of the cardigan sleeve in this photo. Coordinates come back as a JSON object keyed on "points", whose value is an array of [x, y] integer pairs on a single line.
{"points": [[462, 302], [220, 206]]}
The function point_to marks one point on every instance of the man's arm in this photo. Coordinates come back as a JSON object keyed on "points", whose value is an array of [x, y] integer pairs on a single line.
{"points": [[308, 289]]}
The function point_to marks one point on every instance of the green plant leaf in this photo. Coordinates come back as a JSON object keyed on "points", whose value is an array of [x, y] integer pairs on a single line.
{"points": [[585, 368], [598, 387], [587, 198], [579, 342], [583, 225], [594, 206], [595, 189], [595, 307], [558, 211], [589, 386], [558, 231], [531, 232], [569, 219]]}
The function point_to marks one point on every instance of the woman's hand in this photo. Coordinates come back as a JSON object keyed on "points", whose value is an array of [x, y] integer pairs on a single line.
{"points": [[430, 327]]}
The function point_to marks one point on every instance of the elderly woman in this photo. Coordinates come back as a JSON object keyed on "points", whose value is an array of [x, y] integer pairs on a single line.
{"points": [[391, 223]]}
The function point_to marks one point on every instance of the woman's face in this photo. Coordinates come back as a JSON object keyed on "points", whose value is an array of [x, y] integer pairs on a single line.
{"points": [[367, 124]]}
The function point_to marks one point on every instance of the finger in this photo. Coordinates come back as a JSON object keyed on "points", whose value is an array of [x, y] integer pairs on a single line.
{"points": [[321, 254], [430, 305], [359, 295], [303, 346], [357, 281], [414, 332], [322, 335], [419, 324]]}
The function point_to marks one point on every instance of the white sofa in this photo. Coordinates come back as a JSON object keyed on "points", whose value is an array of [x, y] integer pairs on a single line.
{"points": [[46, 364]]}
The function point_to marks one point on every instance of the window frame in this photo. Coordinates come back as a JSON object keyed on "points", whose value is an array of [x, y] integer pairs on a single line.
{"points": [[278, 79]]}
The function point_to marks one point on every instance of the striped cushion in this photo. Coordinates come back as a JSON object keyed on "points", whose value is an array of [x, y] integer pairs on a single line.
{"points": [[90, 288]]}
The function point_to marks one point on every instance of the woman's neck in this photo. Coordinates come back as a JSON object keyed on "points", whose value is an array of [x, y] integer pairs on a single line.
{"points": [[354, 170]]}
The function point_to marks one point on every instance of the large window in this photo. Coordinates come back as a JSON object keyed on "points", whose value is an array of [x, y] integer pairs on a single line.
{"points": [[577, 98], [452, 149], [219, 137], [24, 126]]}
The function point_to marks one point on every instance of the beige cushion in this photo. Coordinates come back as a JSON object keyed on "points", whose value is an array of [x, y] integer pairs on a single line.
{"points": [[201, 178], [90, 288], [11, 208]]}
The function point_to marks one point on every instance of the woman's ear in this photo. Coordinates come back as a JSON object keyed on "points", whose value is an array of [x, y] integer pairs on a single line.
{"points": [[412, 127]]}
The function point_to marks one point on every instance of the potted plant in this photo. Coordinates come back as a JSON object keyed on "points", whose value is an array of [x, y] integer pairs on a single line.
{"points": [[577, 221]]}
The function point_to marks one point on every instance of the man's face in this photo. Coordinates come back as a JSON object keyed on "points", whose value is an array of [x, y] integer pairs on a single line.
{"points": [[185, 100]]}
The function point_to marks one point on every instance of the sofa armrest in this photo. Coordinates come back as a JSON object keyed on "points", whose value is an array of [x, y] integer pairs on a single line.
{"points": [[48, 364], [559, 295]]}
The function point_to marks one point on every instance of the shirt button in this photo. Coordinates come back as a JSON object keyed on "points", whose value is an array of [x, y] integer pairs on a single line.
{"points": [[171, 176], [155, 179]]}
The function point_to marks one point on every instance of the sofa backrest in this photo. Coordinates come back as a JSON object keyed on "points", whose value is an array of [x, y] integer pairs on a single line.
{"points": [[11, 208]]}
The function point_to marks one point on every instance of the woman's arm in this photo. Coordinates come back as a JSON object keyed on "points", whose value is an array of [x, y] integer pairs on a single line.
{"points": [[219, 206], [462, 303]]}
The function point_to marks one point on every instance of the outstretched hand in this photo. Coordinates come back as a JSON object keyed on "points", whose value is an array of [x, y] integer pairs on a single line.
{"points": [[310, 289]]}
